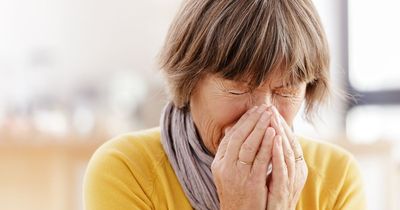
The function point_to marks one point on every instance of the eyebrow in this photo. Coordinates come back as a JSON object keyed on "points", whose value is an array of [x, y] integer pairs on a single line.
{"points": [[287, 86]]}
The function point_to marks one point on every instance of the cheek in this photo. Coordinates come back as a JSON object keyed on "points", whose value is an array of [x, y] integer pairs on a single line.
{"points": [[289, 109], [214, 116], [227, 112]]}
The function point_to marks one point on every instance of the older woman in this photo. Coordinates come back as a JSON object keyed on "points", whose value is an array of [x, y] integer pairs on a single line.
{"points": [[238, 72]]}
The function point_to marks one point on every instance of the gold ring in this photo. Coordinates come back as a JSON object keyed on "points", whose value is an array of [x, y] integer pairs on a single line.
{"points": [[245, 163], [300, 158]]}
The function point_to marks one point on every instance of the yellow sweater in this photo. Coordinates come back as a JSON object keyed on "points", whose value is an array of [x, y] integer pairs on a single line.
{"points": [[132, 172]]}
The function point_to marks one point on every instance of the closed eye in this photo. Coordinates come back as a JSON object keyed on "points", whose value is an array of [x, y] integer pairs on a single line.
{"points": [[237, 92], [287, 92], [285, 95]]}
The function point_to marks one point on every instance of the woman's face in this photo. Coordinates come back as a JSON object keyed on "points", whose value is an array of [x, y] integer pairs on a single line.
{"points": [[217, 104]]}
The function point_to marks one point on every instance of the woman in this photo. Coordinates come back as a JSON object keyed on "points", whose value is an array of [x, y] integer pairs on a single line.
{"points": [[238, 72]]}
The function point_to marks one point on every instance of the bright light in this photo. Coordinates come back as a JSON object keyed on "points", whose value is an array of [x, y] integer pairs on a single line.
{"points": [[374, 44], [371, 123]]}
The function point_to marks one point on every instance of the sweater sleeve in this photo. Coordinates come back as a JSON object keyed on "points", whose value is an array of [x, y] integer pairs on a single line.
{"points": [[111, 182], [351, 194]]}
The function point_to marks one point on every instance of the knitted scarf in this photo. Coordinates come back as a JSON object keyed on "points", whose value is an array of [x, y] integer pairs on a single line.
{"points": [[189, 158]]}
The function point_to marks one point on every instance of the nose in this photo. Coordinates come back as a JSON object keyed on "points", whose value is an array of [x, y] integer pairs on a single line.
{"points": [[261, 98]]}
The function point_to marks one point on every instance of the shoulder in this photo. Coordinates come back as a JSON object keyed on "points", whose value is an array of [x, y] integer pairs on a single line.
{"points": [[322, 155], [140, 149], [332, 171], [124, 166], [327, 160], [144, 144], [139, 142]]}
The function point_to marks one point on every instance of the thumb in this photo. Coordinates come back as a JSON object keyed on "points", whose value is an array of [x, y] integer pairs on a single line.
{"points": [[223, 144], [227, 129]]}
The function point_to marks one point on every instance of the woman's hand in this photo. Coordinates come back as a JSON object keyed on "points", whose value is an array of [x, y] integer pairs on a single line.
{"points": [[289, 171], [241, 161]]}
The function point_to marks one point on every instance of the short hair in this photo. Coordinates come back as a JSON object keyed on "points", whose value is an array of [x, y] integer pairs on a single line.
{"points": [[249, 39]]}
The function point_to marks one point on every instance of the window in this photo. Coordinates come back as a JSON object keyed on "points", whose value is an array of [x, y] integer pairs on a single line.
{"points": [[374, 70]]}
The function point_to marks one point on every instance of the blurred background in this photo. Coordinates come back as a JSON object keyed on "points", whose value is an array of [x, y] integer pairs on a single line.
{"points": [[74, 73]]}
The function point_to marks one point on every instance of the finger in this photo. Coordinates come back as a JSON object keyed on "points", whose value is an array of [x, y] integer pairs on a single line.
{"points": [[242, 119], [300, 168], [279, 172], [222, 145], [228, 131], [280, 131], [285, 126], [301, 178], [238, 136], [296, 147], [251, 145], [290, 163], [275, 121], [264, 154]]}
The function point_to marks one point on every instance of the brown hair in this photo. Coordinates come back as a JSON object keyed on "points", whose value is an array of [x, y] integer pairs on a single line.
{"points": [[249, 39]]}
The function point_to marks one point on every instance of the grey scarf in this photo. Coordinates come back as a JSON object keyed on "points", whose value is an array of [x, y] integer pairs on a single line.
{"points": [[189, 158]]}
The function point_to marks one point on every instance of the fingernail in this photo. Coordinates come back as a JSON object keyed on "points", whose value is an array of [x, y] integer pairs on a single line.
{"points": [[275, 122], [261, 109], [278, 141], [278, 122], [268, 113], [280, 125], [264, 117], [275, 110], [253, 109], [270, 131]]}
